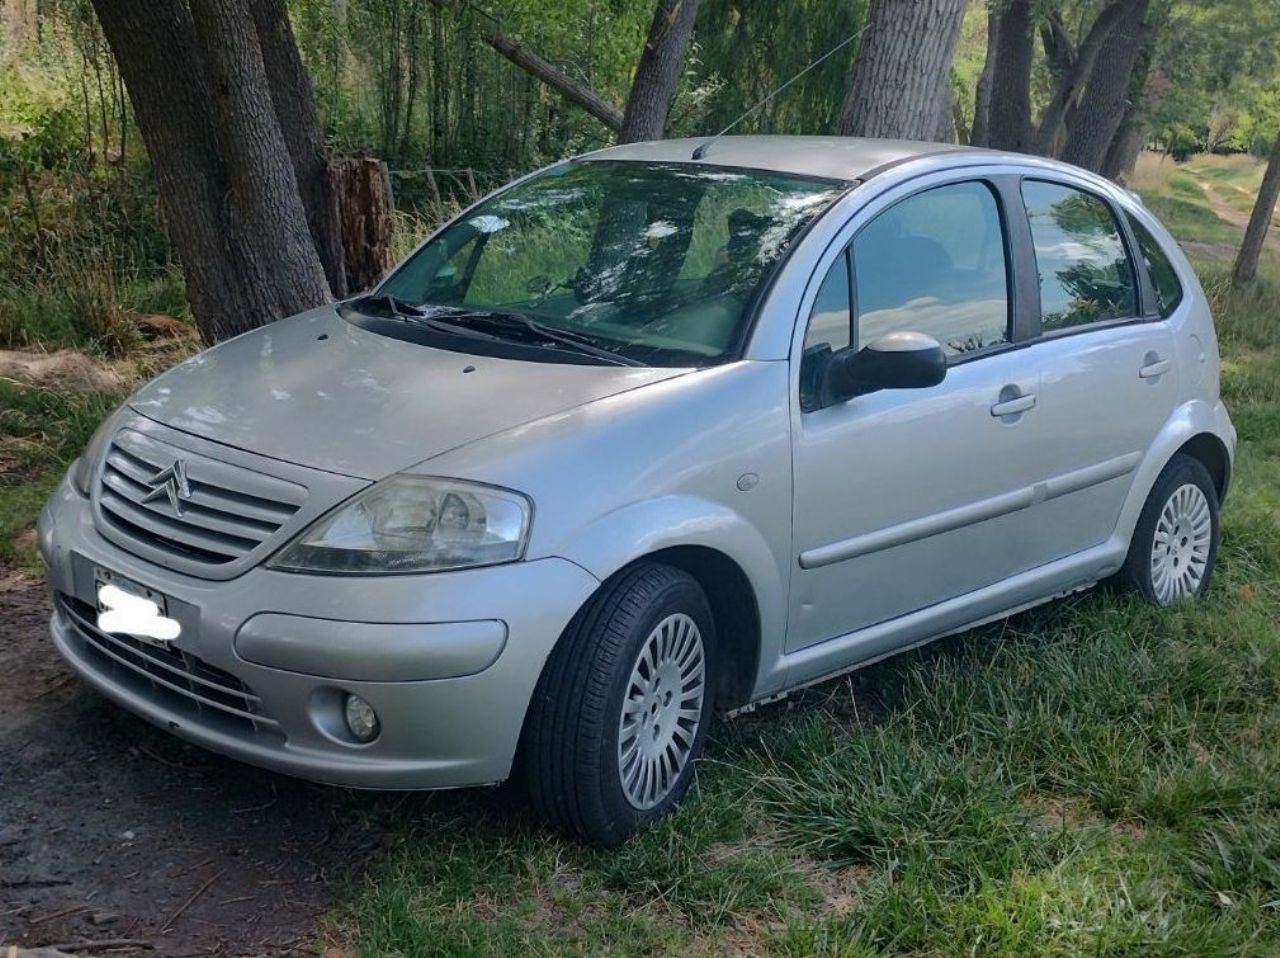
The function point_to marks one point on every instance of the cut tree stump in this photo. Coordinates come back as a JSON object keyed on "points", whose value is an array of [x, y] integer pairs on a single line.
{"points": [[365, 207]]}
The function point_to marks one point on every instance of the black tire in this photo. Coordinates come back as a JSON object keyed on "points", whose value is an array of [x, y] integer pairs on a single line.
{"points": [[571, 739], [1137, 573]]}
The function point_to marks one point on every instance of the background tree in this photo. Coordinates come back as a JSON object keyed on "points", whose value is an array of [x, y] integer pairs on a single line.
{"points": [[1245, 273], [658, 71], [907, 48], [227, 187]]}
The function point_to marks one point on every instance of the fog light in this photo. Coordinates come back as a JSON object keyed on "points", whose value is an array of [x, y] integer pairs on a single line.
{"points": [[362, 720]]}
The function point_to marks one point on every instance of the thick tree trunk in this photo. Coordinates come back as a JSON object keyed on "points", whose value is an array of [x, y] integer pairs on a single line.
{"points": [[905, 56], [263, 196], [231, 284], [1146, 94], [1101, 109], [1099, 38], [1010, 120], [980, 135], [155, 46], [1245, 274], [293, 97], [658, 73]]}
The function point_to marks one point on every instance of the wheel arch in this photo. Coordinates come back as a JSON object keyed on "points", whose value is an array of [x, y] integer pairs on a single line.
{"points": [[1212, 453]]}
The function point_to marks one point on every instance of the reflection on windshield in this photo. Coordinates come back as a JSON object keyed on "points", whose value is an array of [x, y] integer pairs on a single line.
{"points": [[656, 262]]}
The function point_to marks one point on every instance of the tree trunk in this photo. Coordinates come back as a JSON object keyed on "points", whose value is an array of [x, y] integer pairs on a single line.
{"points": [[155, 46], [1101, 109], [1010, 117], [658, 73], [1099, 38], [1146, 94], [230, 285], [980, 135], [364, 199], [1245, 274], [293, 97], [263, 196], [905, 56]]}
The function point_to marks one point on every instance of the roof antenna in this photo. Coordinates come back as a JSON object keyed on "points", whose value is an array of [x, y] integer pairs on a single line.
{"points": [[702, 148]]}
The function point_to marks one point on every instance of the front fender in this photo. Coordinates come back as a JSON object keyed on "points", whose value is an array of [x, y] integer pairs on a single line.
{"points": [[1189, 420], [620, 537]]}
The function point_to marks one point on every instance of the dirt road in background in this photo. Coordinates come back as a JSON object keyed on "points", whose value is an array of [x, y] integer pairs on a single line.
{"points": [[112, 830]]}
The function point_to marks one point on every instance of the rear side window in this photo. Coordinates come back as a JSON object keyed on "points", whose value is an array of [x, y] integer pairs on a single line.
{"points": [[1085, 272], [1163, 276], [935, 264]]}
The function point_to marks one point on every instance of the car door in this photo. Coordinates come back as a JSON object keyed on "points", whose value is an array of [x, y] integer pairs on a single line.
{"points": [[906, 498], [1109, 380]]}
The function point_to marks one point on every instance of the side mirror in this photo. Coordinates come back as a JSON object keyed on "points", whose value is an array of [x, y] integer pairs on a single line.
{"points": [[895, 361]]}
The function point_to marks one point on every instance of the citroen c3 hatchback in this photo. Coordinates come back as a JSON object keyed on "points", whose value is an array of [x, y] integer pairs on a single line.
{"points": [[656, 433]]}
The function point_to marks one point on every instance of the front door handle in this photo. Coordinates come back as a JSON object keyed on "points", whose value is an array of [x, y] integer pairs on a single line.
{"points": [[1014, 406], [1154, 368]]}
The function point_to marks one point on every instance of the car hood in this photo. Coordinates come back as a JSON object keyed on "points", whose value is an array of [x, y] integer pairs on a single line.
{"points": [[317, 391]]}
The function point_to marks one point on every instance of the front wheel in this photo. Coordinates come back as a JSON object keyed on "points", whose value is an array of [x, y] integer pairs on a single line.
{"points": [[1175, 543], [621, 711]]}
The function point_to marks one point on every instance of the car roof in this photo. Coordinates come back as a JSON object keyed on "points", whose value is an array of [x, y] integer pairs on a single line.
{"points": [[833, 157]]}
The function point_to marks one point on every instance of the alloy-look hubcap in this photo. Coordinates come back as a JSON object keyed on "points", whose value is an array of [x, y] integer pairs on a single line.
{"points": [[661, 711], [1180, 552]]}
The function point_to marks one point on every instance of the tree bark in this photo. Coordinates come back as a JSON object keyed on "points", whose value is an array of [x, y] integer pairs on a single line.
{"points": [[1245, 274], [905, 56], [1146, 94], [155, 46], [293, 96], [263, 196], [1081, 70], [1101, 108], [980, 135], [658, 72], [367, 226], [230, 285], [1010, 119]]}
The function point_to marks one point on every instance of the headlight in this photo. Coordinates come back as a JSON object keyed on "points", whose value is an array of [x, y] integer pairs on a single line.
{"points": [[413, 524], [84, 468]]}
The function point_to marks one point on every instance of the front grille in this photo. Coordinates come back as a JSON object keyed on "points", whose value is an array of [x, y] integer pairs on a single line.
{"points": [[227, 512], [178, 680]]}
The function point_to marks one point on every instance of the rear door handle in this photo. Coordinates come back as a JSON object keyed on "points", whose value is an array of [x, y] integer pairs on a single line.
{"points": [[1012, 407], [1155, 368]]}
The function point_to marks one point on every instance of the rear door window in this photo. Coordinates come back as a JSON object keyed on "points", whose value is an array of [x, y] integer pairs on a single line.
{"points": [[1086, 275]]}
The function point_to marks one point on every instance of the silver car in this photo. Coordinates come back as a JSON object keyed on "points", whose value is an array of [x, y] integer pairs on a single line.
{"points": [[663, 431]]}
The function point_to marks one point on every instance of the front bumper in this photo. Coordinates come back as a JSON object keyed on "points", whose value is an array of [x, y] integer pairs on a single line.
{"points": [[448, 660]]}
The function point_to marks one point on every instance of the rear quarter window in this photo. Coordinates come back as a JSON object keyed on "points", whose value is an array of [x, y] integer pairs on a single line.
{"points": [[1164, 278]]}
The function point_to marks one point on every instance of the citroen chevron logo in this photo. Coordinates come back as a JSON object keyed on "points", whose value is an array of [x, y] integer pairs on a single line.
{"points": [[170, 482]]}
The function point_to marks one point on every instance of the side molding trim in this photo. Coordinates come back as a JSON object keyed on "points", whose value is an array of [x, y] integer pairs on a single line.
{"points": [[970, 514]]}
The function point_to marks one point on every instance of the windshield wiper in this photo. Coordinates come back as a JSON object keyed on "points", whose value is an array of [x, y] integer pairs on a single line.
{"points": [[561, 337], [398, 308]]}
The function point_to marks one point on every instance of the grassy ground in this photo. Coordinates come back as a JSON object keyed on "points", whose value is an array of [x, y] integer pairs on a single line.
{"points": [[1094, 777]]}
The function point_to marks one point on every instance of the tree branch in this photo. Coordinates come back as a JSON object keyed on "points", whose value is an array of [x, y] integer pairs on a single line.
{"points": [[548, 73]]}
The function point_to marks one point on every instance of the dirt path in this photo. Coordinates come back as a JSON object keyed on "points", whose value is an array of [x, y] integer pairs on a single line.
{"points": [[110, 829], [1229, 214]]}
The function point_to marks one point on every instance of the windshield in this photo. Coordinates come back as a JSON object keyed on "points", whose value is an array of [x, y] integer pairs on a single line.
{"points": [[657, 263]]}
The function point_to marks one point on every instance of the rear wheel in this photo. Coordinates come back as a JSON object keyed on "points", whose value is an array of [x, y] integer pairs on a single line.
{"points": [[623, 706], [1175, 543]]}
